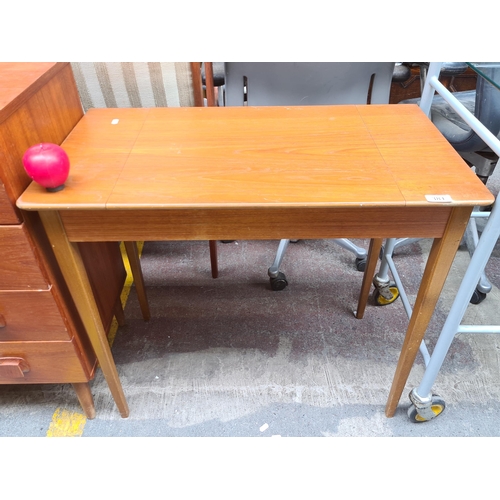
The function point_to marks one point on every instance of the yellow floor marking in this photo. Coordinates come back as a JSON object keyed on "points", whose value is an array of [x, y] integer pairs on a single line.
{"points": [[71, 424], [66, 424]]}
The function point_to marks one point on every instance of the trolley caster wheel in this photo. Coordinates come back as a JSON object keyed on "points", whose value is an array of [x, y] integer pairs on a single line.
{"points": [[437, 406], [477, 297], [278, 283], [361, 264], [380, 300]]}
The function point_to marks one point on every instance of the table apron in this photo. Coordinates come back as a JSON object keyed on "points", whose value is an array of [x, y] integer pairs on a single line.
{"points": [[255, 223]]}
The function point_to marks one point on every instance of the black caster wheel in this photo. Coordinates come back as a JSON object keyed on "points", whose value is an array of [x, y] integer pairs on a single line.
{"points": [[477, 297], [437, 406], [278, 283], [380, 300], [361, 264]]}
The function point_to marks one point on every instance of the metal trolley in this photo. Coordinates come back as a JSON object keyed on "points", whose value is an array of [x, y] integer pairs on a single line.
{"points": [[425, 405]]}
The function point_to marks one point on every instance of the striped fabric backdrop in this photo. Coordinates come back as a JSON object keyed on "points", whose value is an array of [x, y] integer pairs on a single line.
{"points": [[136, 85]]}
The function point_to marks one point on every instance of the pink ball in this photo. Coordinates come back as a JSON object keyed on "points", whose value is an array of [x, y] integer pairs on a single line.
{"points": [[48, 165]]}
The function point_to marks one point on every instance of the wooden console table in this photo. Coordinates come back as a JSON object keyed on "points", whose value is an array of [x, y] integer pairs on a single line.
{"points": [[259, 173]]}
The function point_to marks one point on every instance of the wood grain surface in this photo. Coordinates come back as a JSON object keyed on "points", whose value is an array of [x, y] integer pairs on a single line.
{"points": [[330, 156]]}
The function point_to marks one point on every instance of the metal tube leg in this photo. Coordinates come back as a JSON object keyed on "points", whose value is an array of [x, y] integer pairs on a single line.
{"points": [[383, 272], [275, 267], [360, 253], [472, 240], [381, 280], [401, 242]]}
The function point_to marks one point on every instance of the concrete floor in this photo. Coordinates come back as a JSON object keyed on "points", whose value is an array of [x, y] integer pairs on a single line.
{"points": [[230, 357]]}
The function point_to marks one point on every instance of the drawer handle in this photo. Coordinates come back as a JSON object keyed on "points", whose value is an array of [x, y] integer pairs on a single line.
{"points": [[13, 367], [3, 323]]}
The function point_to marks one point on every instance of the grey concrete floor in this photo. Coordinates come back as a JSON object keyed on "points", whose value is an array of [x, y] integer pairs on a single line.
{"points": [[231, 358]]}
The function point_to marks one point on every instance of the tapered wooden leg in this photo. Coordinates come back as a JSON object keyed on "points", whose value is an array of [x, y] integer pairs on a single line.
{"points": [[371, 264], [140, 287], [441, 257], [213, 258], [71, 264], [118, 312], [85, 397]]}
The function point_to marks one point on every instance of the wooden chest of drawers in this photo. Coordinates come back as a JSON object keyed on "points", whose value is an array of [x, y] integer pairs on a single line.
{"points": [[42, 339]]}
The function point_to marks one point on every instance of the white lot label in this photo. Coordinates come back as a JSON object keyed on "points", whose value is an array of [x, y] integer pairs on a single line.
{"points": [[438, 198]]}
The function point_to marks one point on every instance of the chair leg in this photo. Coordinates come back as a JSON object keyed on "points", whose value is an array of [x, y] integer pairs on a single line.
{"points": [[135, 267], [371, 264], [278, 279], [213, 258], [273, 271], [118, 312]]}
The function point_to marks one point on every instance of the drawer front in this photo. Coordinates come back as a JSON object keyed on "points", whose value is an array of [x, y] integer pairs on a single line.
{"points": [[30, 316], [19, 269], [8, 214], [40, 363]]}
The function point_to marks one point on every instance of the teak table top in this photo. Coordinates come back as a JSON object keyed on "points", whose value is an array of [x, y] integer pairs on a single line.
{"points": [[312, 156]]}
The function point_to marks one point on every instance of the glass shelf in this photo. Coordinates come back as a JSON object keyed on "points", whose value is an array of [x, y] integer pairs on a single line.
{"points": [[488, 70]]}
